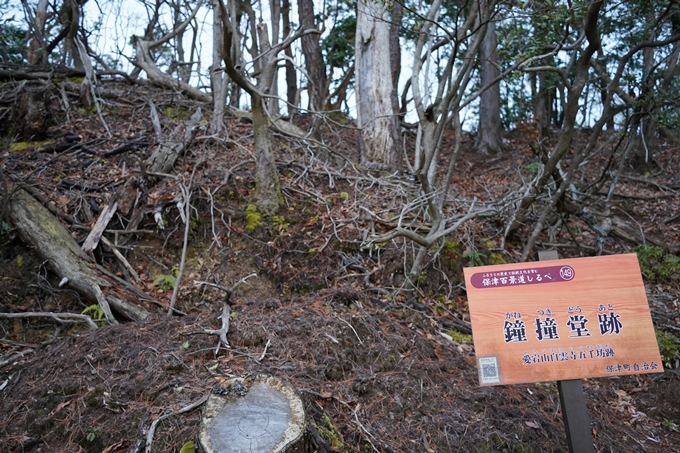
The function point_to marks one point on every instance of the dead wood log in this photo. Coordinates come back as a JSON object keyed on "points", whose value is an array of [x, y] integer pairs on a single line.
{"points": [[39, 73], [278, 124], [95, 235], [39, 229], [163, 158], [611, 225], [261, 414]]}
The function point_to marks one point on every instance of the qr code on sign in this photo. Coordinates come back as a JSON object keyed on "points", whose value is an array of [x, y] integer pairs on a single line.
{"points": [[488, 370]]}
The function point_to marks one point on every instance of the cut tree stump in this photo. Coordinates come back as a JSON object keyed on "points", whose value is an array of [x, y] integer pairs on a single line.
{"points": [[261, 414]]}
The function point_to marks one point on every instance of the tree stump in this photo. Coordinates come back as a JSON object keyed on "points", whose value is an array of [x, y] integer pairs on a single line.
{"points": [[261, 414]]}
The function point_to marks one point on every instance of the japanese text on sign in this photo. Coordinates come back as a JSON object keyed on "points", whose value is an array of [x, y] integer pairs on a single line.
{"points": [[575, 318]]}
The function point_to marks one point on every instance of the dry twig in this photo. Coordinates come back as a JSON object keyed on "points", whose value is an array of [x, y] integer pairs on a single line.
{"points": [[63, 318], [154, 424]]}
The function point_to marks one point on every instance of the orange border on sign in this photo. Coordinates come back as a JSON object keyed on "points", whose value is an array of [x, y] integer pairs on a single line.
{"points": [[526, 330]]}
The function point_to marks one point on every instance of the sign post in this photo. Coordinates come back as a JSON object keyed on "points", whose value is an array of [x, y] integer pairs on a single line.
{"points": [[562, 321], [573, 401]]}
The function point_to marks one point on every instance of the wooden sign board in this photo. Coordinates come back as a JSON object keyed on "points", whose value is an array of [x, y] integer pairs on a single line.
{"points": [[557, 320]]}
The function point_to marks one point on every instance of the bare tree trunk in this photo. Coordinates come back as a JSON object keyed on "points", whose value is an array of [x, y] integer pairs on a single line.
{"points": [[543, 105], [71, 20], [646, 139], [178, 63], [490, 130], [272, 101], [218, 78], [317, 83], [268, 197], [543, 92], [144, 60], [36, 45], [396, 15], [567, 132], [375, 113], [291, 73]]}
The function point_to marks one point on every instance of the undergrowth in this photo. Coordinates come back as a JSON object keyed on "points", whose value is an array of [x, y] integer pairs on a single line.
{"points": [[655, 264]]}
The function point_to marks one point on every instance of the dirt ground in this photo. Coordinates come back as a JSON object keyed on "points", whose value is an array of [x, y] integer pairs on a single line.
{"points": [[324, 309]]}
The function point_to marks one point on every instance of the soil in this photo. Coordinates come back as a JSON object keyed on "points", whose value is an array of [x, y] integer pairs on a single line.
{"points": [[326, 309]]}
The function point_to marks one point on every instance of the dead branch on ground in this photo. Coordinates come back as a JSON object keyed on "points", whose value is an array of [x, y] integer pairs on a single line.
{"points": [[39, 229], [154, 424], [62, 318]]}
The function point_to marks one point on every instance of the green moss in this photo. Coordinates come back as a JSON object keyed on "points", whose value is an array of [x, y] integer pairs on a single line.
{"points": [[344, 196], [330, 433], [188, 447], [22, 146], [20, 260], [459, 337], [451, 248], [176, 112], [496, 258], [253, 218], [19, 146], [280, 223]]}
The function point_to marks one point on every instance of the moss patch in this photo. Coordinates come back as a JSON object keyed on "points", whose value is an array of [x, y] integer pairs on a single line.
{"points": [[253, 218]]}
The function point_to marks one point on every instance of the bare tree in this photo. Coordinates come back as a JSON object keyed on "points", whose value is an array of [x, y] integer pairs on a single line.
{"points": [[267, 197], [555, 165], [317, 82], [591, 34], [490, 129], [36, 18], [438, 104], [291, 73], [218, 78], [145, 61], [376, 116]]}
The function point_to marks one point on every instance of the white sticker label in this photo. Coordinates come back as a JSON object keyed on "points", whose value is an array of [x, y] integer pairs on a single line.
{"points": [[488, 370]]}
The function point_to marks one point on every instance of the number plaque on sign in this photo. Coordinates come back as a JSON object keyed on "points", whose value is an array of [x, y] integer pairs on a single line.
{"points": [[558, 320]]}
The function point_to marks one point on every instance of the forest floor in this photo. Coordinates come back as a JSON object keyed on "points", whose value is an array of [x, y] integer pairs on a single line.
{"points": [[323, 309]]}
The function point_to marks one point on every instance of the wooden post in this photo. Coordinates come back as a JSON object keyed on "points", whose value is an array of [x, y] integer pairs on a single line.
{"points": [[573, 401]]}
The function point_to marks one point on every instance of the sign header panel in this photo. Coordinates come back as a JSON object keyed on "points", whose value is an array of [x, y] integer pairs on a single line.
{"points": [[557, 320]]}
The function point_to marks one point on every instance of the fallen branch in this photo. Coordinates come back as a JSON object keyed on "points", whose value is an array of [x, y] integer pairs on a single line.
{"points": [[44, 233], [95, 235], [163, 158], [222, 332], [432, 236], [63, 318], [154, 424], [17, 356], [122, 259], [186, 195], [226, 314]]}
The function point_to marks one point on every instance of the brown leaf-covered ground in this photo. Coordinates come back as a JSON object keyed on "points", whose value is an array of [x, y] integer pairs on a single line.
{"points": [[325, 308]]}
